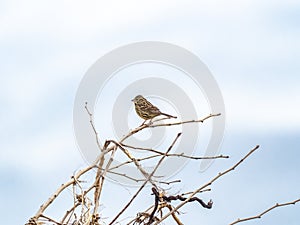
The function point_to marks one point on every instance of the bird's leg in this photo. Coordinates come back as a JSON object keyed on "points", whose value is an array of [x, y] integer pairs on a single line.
{"points": [[143, 122], [150, 122]]}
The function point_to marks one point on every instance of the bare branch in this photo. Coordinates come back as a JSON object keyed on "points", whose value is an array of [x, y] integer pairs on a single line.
{"points": [[134, 160], [60, 189], [277, 205], [209, 183], [177, 155], [184, 122], [100, 179], [146, 181], [93, 126], [86, 211], [152, 125]]}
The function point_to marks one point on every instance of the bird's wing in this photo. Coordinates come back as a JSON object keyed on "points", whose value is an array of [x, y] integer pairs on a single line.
{"points": [[153, 109]]}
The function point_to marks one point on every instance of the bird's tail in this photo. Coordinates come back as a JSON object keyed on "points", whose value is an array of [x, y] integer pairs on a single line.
{"points": [[165, 114]]}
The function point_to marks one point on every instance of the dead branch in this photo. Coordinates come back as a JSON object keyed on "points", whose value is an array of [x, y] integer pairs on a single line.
{"points": [[209, 183], [176, 155], [184, 122], [153, 125], [88, 210], [277, 205], [92, 125], [146, 181], [60, 189]]}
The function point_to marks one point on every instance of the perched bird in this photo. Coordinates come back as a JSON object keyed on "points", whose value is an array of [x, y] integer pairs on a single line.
{"points": [[146, 110]]}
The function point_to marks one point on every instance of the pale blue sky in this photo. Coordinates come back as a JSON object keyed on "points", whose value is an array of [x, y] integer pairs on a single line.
{"points": [[251, 47]]}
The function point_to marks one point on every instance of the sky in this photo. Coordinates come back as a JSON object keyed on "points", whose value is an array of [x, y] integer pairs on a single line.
{"points": [[251, 48]]}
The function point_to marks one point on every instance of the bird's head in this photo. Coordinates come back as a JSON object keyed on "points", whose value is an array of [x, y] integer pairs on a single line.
{"points": [[137, 98]]}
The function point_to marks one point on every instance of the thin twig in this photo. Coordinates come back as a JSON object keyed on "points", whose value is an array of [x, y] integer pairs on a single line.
{"points": [[67, 184], [60, 189], [93, 126], [184, 122], [134, 160], [177, 155], [143, 126], [146, 181], [50, 219], [70, 211], [169, 182], [277, 205], [126, 176], [209, 183]]}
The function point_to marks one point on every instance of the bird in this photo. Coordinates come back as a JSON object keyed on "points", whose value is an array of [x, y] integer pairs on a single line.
{"points": [[146, 110]]}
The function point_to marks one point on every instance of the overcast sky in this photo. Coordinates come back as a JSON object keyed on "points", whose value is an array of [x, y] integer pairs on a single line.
{"points": [[251, 47]]}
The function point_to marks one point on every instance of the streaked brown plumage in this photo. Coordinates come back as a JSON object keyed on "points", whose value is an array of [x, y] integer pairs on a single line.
{"points": [[146, 110]]}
